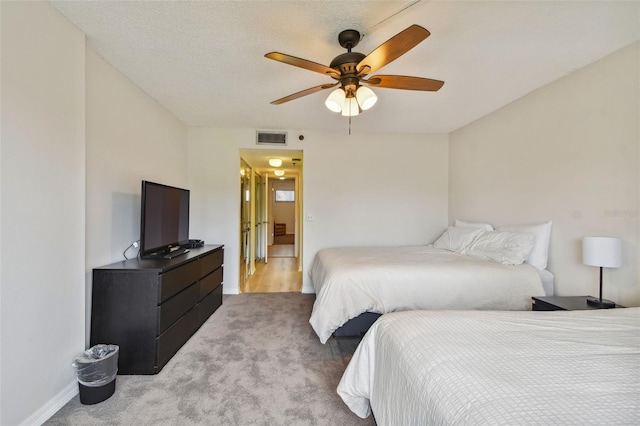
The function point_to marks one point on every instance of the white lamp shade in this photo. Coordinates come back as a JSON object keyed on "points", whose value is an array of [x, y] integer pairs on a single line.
{"points": [[602, 251], [350, 108], [335, 100], [366, 98]]}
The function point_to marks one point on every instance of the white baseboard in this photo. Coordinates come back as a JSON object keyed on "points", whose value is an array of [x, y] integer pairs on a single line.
{"points": [[50, 408], [308, 290]]}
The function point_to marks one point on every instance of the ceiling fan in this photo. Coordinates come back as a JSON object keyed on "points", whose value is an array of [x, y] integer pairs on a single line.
{"points": [[351, 69]]}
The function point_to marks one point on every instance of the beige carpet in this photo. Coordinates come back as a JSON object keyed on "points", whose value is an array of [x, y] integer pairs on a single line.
{"points": [[256, 361]]}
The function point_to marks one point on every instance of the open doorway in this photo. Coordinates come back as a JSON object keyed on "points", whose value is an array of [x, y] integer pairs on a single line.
{"points": [[275, 225], [246, 265], [282, 200]]}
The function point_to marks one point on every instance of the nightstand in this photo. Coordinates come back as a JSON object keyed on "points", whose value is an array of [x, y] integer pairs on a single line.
{"points": [[562, 303]]}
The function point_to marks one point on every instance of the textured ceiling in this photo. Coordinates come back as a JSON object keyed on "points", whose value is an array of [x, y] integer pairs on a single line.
{"points": [[204, 60]]}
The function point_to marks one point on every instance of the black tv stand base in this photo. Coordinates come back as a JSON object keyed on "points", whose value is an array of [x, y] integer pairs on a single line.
{"points": [[167, 254], [178, 252]]}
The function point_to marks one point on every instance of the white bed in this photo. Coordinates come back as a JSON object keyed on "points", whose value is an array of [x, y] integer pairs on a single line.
{"points": [[351, 281], [476, 367]]}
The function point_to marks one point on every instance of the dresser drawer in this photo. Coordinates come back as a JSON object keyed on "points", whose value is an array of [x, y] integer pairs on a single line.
{"points": [[211, 261], [211, 281], [177, 279], [209, 304], [175, 307], [176, 336]]}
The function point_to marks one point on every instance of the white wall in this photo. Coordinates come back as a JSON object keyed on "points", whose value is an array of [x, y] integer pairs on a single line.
{"points": [[75, 134], [130, 137], [568, 152], [373, 189], [362, 189], [43, 205]]}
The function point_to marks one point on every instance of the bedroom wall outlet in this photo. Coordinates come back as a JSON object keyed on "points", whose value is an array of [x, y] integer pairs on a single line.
{"points": [[310, 218]]}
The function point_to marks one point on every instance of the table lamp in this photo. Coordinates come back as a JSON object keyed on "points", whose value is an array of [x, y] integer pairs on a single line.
{"points": [[605, 252]]}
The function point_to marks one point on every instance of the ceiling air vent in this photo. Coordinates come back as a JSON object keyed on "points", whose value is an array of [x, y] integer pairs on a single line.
{"points": [[271, 138]]}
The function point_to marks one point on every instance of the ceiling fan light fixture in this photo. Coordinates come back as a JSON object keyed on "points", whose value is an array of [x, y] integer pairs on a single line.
{"points": [[350, 108], [278, 172], [366, 98], [275, 162], [351, 68], [335, 100]]}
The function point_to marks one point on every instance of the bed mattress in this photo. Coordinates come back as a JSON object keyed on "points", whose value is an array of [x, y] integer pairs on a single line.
{"points": [[472, 367], [353, 280]]}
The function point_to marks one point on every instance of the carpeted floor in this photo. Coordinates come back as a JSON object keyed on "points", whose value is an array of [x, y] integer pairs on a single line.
{"points": [[256, 361]]}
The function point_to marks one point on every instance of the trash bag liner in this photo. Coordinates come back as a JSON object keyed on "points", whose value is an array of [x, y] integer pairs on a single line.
{"points": [[97, 365]]}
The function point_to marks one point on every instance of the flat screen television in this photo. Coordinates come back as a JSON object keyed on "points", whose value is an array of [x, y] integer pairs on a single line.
{"points": [[164, 224]]}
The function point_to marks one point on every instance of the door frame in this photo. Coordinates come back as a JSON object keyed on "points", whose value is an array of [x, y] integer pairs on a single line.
{"points": [[266, 153]]}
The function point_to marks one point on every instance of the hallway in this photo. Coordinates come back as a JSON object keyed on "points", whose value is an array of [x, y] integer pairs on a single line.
{"points": [[279, 275]]}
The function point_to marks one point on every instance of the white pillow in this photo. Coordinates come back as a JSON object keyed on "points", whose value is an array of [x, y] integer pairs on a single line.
{"points": [[509, 248], [456, 239], [542, 233], [484, 226]]}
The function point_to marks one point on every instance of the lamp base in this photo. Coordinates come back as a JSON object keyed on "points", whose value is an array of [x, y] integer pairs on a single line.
{"points": [[602, 304]]}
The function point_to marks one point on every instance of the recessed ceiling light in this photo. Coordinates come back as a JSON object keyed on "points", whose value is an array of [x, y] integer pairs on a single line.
{"points": [[278, 172], [275, 162]]}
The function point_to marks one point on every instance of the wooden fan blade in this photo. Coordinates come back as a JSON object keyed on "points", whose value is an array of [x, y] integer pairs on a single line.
{"points": [[404, 82], [303, 93], [302, 63], [393, 48]]}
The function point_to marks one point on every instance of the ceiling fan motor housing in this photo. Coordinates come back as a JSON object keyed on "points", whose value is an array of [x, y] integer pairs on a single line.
{"points": [[346, 64], [349, 39]]}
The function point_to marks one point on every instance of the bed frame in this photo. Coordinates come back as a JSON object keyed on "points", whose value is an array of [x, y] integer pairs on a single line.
{"points": [[357, 326]]}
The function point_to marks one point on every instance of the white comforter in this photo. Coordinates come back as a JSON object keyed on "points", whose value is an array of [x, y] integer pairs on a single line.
{"points": [[353, 280], [454, 367]]}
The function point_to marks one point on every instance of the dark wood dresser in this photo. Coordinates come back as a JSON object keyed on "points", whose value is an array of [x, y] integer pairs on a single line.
{"points": [[151, 307]]}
